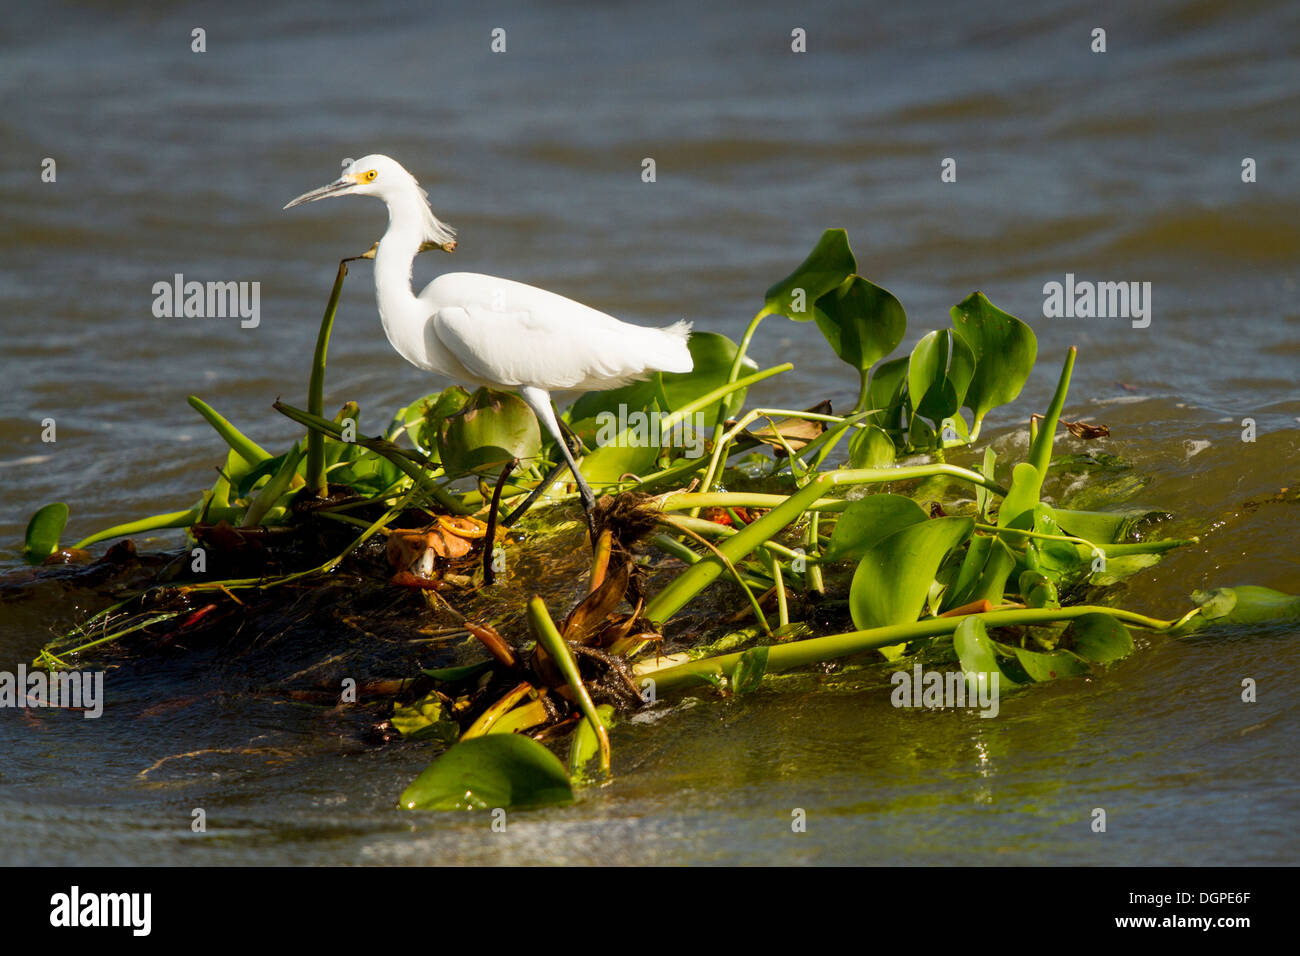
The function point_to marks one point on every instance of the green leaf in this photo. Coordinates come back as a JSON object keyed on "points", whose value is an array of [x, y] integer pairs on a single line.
{"points": [[274, 490], [1100, 638], [871, 447], [983, 573], [411, 463], [1104, 527], [982, 494], [1045, 667], [894, 577], [492, 428], [337, 451], [631, 451], [1040, 449], [885, 391], [1017, 510], [368, 473], [978, 659], [938, 373], [251, 476], [869, 520], [424, 418], [862, 322], [926, 367], [1004, 349], [586, 745], [587, 413], [827, 267], [749, 671], [243, 446], [1038, 590], [713, 355], [953, 431], [484, 773], [1247, 604], [43, 532], [424, 719], [453, 675]]}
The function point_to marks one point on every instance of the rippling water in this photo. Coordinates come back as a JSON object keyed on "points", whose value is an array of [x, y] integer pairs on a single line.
{"points": [[1122, 166]]}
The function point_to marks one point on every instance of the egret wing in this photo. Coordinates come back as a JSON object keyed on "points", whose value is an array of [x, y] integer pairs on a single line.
{"points": [[539, 348]]}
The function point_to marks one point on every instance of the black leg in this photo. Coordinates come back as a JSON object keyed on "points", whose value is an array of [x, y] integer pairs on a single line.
{"points": [[540, 402], [534, 495]]}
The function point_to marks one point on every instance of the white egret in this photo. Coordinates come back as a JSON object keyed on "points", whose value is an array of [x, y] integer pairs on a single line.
{"points": [[481, 330]]}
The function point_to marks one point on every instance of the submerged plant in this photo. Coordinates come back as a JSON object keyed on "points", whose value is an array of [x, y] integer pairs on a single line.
{"points": [[915, 555]]}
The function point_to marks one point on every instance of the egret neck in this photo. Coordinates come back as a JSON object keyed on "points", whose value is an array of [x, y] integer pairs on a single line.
{"points": [[400, 310]]}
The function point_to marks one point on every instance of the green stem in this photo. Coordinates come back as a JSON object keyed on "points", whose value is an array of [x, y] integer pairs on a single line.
{"points": [[1040, 453], [274, 489], [812, 544], [173, 519], [317, 483], [410, 462], [244, 447], [722, 391], [549, 637], [818, 649], [861, 406]]}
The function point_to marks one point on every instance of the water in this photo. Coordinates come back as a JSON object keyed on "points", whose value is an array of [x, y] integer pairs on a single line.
{"points": [[1117, 166]]}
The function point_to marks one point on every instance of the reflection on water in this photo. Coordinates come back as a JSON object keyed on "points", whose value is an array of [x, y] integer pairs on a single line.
{"points": [[1123, 166]]}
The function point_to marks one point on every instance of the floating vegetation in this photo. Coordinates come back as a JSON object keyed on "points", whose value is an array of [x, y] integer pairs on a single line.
{"points": [[885, 531]]}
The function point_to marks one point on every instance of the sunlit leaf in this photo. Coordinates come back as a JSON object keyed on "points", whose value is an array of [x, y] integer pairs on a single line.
{"points": [[979, 661], [938, 373], [862, 322], [1100, 638], [1004, 349], [982, 494], [1050, 666], [43, 532], [452, 675], [713, 355], [484, 773], [827, 267], [894, 576], [886, 391], [585, 747], [1247, 604], [869, 520], [487, 432], [749, 671], [1038, 590], [1017, 510], [244, 446], [871, 447], [424, 418], [630, 451], [983, 574], [424, 719]]}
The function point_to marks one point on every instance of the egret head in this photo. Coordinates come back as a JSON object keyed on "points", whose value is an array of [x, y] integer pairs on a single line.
{"points": [[384, 178]]}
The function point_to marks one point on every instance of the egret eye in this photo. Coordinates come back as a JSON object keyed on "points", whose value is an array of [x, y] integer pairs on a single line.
{"points": [[370, 175]]}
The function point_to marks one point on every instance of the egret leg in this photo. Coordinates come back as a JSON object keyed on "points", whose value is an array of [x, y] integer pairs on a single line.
{"points": [[540, 402], [536, 493]]}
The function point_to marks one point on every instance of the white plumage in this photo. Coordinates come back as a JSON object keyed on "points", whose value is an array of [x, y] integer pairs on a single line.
{"points": [[482, 330]]}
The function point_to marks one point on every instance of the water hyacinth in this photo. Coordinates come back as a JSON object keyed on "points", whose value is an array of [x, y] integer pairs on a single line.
{"points": [[777, 514]]}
